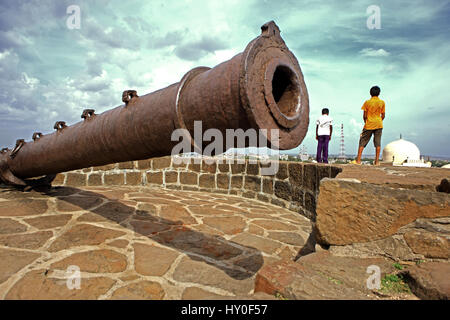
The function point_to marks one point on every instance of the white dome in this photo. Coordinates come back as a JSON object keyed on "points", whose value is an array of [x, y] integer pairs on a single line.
{"points": [[400, 150], [447, 166]]}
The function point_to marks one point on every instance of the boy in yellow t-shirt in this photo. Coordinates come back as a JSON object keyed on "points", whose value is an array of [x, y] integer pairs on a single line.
{"points": [[374, 113]]}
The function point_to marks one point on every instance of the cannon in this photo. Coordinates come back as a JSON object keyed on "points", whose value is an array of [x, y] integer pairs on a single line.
{"points": [[260, 88]]}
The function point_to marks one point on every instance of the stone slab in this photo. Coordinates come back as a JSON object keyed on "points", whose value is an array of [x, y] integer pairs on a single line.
{"points": [[319, 276], [353, 212], [396, 177], [430, 280]]}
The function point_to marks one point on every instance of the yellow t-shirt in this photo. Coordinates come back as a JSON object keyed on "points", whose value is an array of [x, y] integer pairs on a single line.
{"points": [[374, 107]]}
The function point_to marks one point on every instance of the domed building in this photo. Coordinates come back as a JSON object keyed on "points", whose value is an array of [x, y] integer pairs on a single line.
{"points": [[447, 166], [403, 153]]}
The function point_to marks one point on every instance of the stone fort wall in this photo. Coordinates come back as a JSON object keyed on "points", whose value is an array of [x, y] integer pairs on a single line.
{"points": [[295, 186]]}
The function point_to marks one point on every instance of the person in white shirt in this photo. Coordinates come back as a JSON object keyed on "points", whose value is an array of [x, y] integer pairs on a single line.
{"points": [[324, 129]]}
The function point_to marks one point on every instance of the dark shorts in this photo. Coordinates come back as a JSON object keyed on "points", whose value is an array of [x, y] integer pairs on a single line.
{"points": [[365, 136]]}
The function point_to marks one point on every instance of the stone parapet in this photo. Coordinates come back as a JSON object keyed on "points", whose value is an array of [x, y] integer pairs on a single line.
{"points": [[295, 185]]}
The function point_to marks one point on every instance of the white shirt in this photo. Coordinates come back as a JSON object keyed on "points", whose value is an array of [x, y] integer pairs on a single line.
{"points": [[324, 122]]}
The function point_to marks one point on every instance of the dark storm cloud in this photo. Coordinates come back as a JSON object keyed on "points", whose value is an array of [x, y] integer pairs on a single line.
{"points": [[117, 37], [8, 40], [6, 20], [94, 67], [169, 39], [94, 86], [22, 13], [197, 49], [138, 25]]}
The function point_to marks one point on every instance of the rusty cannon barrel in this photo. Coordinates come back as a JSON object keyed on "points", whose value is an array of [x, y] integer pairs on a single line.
{"points": [[260, 88]]}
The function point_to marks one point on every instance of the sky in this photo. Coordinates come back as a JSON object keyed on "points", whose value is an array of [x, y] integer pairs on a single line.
{"points": [[49, 72]]}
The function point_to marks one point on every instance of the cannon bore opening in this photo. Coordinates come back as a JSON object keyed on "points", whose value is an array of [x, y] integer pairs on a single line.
{"points": [[286, 91]]}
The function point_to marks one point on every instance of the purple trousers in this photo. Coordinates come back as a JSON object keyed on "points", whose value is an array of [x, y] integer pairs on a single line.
{"points": [[322, 149]]}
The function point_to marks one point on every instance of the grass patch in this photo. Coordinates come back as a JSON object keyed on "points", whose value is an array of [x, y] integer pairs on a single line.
{"points": [[335, 281], [398, 266], [331, 279], [279, 296], [393, 283]]}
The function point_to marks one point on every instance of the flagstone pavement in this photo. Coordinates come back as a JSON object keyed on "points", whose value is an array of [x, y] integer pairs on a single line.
{"points": [[139, 243]]}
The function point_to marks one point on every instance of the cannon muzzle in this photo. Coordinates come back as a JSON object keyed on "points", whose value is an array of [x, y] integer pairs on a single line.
{"points": [[260, 88]]}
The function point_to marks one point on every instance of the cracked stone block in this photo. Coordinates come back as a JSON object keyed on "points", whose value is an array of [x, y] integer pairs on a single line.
{"points": [[114, 179], [354, 212], [224, 167], [310, 177], [319, 276], [33, 240], [95, 179], [83, 234], [237, 168], [429, 244], [268, 185], [282, 172], [430, 280], [11, 261], [147, 228], [114, 211], [143, 290], [146, 263], [291, 238], [144, 164], [11, 226], [223, 181], [155, 177], [176, 214], [59, 179], [237, 182], [232, 280], [189, 178], [196, 167], [296, 174], [76, 179], [252, 183], [274, 225], [194, 293], [25, 207], [283, 190], [253, 169], [210, 168], [94, 261], [77, 203], [310, 202], [257, 242], [107, 167], [39, 285], [134, 178], [298, 194], [126, 165], [228, 225], [207, 181], [171, 176], [121, 243], [161, 163]]}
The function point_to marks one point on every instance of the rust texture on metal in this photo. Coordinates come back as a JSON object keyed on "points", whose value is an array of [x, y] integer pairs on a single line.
{"points": [[260, 88]]}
